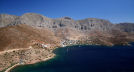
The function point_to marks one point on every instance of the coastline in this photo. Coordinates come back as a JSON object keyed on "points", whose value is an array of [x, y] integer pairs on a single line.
{"points": [[50, 57], [63, 60], [12, 67]]}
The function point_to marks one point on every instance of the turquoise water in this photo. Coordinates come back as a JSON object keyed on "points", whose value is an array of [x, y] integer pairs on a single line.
{"points": [[86, 59]]}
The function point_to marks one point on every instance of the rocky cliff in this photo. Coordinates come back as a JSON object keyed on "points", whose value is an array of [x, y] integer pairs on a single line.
{"points": [[126, 27], [38, 20]]}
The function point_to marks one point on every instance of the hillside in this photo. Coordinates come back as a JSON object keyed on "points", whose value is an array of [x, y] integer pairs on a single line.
{"points": [[35, 26], [20, 36]]}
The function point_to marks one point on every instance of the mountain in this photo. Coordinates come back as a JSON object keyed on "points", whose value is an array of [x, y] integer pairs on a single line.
{"points": [[96, 31], [38, 20]]}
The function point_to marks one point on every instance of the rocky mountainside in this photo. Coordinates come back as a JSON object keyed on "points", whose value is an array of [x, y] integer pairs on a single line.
{"points": [[126, 27], [18, 30], [6, 19], [37, 20]]}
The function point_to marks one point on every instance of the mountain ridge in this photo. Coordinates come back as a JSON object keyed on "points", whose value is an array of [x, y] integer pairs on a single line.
{"points": [[66, 27]]}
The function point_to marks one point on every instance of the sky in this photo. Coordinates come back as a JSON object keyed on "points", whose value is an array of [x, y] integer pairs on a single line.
{"points": [[115, 11]]}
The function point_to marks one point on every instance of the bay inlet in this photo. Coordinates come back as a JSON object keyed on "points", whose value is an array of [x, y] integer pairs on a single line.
{"points": [[86, 58]]}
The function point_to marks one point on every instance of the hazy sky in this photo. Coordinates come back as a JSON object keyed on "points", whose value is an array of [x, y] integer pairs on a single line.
{"points": [[114, 10]]}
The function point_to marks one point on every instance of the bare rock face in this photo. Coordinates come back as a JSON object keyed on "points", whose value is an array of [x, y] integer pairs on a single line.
{"points": [[6, 19], [95, 24], [38, 20], [35, 20], [126, 27]]}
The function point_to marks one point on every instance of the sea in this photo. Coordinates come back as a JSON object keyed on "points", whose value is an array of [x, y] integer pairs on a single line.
{"points": [[86, 58]]}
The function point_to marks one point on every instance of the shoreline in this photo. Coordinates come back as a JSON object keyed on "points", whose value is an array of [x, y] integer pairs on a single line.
{"points": [[10, 68], [49, 56], [14, 66], [53, 55]]}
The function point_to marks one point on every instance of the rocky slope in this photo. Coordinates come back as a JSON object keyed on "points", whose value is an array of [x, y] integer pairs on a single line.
{"points": [[21, 36]]}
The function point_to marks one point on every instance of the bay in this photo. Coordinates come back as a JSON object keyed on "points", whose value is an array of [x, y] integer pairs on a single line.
{"points": [[86, 58]]}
